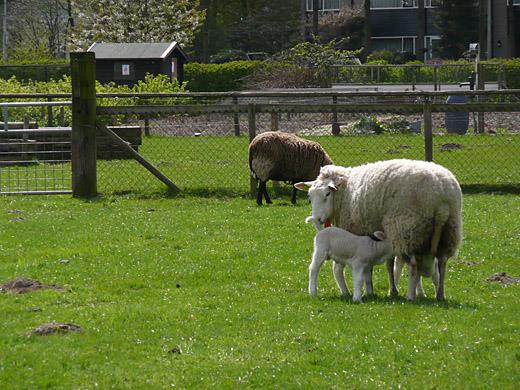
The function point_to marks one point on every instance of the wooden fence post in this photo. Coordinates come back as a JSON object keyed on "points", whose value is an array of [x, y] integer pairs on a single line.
{"points": [[274, 121], [146, 119], [50, 116], [335, 125], [428, 133], [83, 149], [236, 121], [251, 116]]}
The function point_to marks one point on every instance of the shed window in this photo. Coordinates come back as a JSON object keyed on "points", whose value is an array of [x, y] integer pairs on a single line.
{"points": [[124, 71]]}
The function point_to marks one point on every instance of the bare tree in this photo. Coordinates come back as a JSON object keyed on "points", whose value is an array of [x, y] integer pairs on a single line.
{"points": [[39, 24], [4, 32]]}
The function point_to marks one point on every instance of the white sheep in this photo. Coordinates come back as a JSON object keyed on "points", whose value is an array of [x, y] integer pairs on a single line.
{"points": [[284, 157], [417, 204], [427, 267], [361, 253]]}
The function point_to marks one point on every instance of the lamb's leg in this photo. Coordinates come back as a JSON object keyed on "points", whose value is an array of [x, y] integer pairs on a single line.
{"points": [[442, 260], [412, 279], [293, 196], [314, 269], [367, 274], [339, 276], [368, 280], [266, 195], [357, 274], [420, 289], [391, 278], [435, 274]]}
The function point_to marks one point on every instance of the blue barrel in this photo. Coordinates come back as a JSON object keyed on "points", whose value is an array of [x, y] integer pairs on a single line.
{"points": [[457, 122]]}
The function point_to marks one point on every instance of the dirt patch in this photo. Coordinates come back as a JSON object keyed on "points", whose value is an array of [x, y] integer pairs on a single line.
{"points": [[471, 263], [503, 278], [23, 285], [53, 328], [450, 146]]}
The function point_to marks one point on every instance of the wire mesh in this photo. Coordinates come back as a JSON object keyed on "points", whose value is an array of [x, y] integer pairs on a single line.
{"points": [[35, 145], [200, 141], [35, 161], [205, 152]]}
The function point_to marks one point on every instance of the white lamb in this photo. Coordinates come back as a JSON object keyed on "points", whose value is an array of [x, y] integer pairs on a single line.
{"points": [[361, 253], [417, 204]]}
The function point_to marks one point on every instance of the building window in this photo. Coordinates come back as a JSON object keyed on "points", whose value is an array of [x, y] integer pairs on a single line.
{"points": [[124, 71], [430, 43], [432, 3], [324, 5], [400, 44], [378, 4], [374, 4]]}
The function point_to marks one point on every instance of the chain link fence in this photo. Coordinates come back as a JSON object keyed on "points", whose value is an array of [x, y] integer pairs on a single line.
{"points": [[201, 142]]}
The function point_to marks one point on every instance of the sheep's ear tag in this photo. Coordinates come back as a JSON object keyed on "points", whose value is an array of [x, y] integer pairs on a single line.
{"points": [[303, 185], [332, 187]]}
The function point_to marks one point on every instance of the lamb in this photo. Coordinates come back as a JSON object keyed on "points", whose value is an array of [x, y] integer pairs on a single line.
{"points": [[285, 157], [417, 204], [361, 253]]}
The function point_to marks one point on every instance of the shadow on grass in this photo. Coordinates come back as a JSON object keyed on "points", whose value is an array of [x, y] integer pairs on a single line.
{"points": [[491, 188], [401, 300], [281, 194]]}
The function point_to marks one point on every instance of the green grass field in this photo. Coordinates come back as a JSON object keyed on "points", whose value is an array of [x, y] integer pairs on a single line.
{"points": [[219, 164], [193, 292], [209, 164]]}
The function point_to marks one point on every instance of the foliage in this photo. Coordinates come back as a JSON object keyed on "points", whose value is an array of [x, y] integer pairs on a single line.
{"points": [[26, 55], [390, 57], [370, 124], [159, 83], [316, 59], [457, 22], [228, 56], [277, 74], [135, 21], [248, 25], [192, 292], [345, 26], [39, 25], [228, 76]]}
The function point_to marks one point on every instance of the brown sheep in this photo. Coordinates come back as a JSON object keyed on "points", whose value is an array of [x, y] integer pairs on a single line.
{"points": [[284, 157]]}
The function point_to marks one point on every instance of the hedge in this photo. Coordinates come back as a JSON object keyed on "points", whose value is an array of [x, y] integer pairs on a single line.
{"points": [[230, 76]]}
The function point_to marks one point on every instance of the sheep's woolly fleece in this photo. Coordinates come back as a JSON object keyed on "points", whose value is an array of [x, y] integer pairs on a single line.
{"points": [[285, 157], [404, 198]]}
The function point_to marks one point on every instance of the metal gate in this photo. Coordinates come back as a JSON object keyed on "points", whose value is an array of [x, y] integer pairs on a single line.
{"points": [[34, 159]]}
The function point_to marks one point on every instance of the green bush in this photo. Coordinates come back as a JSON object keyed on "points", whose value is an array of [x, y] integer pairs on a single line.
{"points": [[227, 56], [391, 57], [160, 83], [229, 76], [44, 72]]}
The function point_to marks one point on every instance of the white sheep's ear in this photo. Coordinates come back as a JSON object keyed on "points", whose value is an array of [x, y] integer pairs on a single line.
{"points": [[304, 185], [332, 187], [380, 235]]}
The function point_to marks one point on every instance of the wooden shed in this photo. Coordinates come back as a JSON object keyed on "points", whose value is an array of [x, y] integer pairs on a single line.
{"points": [[127, 63]]}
